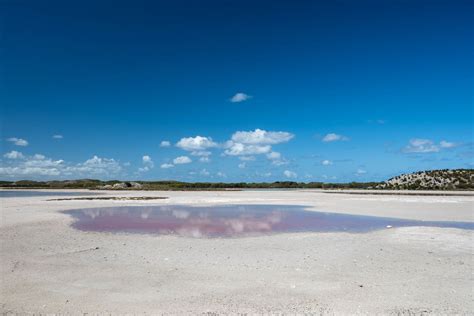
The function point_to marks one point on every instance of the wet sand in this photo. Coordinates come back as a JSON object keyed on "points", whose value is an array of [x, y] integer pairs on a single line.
{"points": [[49, 267]]}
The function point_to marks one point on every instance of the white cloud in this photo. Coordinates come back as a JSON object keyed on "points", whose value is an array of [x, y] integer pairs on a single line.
{"points": [[332, 137], [360, 172], [237, 149], [419, 145], [247, 158], [96, 166], [165, 143], [197, 143], [326, 177], [263, 174], [242, 165], [39, 165], [28, 171], [239, 97], [40, 161], [201, 153], [257, 142], [280, 162], [148, 164], [148, 161], [273, 155], [290, 174], [221, 174], [276, 158], [18, 141], [326, 162], [446, 144], [166, 166], [14, 155], [204, 159], [261, 137], [57, 136], [182, 160]]}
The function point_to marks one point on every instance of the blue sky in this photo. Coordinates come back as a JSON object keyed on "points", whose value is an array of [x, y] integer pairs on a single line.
{"points": [[241, 91]]}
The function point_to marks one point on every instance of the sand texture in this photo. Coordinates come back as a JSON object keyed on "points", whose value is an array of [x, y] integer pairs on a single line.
{"points": [[49, 267]]}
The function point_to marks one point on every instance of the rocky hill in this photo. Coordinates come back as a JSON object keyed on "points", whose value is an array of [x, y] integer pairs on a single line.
{"points": [[446, 179]]}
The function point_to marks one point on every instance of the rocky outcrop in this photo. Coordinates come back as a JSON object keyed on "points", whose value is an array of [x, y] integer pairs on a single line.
{"points": [[121, 186], [457, 179]]}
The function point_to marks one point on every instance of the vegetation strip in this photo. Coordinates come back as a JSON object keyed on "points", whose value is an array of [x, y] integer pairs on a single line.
{"points": [[445, 179]]}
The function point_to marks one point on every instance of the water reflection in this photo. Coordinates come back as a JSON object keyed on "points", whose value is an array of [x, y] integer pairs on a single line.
{"points": [[232, 220]]}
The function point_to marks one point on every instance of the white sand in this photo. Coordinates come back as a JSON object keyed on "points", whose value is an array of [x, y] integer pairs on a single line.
{"points": [[48, 267]]}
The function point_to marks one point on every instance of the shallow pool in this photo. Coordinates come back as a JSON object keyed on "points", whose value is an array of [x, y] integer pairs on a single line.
{"points": [[233, 220]]}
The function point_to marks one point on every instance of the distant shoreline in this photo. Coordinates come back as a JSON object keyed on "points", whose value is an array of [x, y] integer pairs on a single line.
{"points": [[468, 193]]}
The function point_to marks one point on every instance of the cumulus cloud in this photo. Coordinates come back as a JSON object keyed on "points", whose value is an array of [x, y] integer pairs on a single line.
{"points": [[41, 161], [57, 136], [419, 145], [165, 143], [290, 174], [326, 162], [166, 166], [147, 161], [221, 174], [96, 166], [332, 137], [14, 155], [28, 171], [147, 164], [39, 165], [242, 165], [276, 158], [239, 97], [18, 141], [257, 142], [274, 155], [237, 149], [446, 144], [422, 146], [360, 172], [261, 137], [198, 143], [182, 160]]}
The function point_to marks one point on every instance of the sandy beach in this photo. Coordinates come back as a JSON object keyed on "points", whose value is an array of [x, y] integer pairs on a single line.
{"points": [[50, 267]]}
